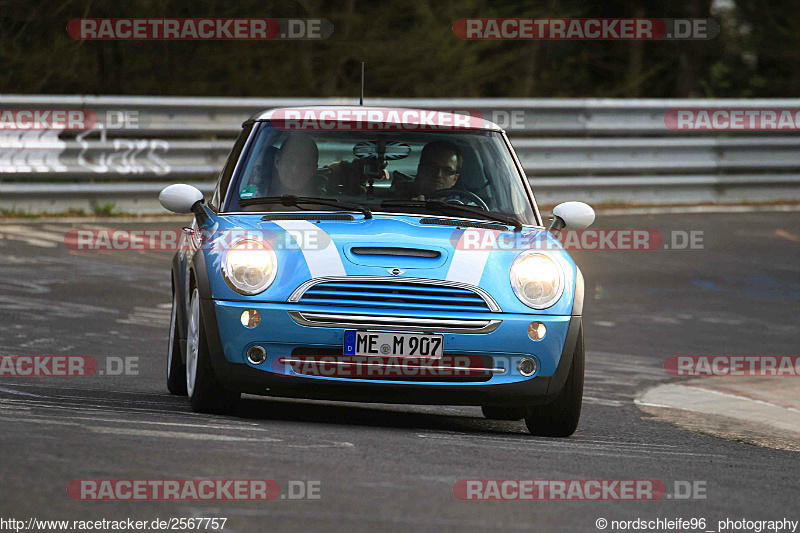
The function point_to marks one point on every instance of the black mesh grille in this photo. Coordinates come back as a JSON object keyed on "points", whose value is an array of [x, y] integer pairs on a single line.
{"points": [[398, 294], [400, 252]]}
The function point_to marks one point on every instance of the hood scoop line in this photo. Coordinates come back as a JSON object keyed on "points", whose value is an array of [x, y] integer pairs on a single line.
{"points": [[461, 223], [308, 216]]}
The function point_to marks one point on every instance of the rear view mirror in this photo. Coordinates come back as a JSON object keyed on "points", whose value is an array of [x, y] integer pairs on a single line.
{"points": [[381, 150]]}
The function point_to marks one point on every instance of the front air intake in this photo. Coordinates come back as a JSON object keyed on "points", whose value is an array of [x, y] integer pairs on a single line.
{"points": [[396, 252]]}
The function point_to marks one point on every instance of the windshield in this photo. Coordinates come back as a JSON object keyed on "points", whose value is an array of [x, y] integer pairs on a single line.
{"points": [[384, 171]]}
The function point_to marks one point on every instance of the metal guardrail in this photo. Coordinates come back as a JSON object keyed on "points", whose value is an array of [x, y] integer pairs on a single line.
{"points": [[595, 149], [177, 116]]}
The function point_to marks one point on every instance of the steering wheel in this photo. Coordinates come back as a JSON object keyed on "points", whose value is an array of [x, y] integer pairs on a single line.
{"points": [[455, 196]]}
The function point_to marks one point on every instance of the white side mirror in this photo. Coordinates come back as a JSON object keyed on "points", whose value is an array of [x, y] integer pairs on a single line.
{"points": [[574, 215], [180, 198]]}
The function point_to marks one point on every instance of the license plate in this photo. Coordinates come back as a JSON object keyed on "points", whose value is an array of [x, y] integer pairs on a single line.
{"points": [[392, 344]]}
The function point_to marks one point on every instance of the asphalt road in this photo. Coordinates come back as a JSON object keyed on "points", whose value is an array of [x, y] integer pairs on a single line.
{"points": [[393, 467]]}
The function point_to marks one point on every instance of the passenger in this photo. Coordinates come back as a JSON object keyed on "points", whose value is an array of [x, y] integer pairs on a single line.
{"points": [[287, 170]]}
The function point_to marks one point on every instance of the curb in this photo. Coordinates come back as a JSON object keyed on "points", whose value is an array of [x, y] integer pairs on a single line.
{"points": [[734, 414]]}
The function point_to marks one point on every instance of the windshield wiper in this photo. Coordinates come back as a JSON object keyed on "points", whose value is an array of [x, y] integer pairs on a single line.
{"points": [[439, 204], [289, 200]]}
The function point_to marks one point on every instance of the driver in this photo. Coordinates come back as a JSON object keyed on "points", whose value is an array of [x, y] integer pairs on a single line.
{"points": [[438, 169]]}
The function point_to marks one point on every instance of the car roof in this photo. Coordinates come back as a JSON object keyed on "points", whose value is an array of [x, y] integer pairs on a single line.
{"points": [[461, 120]]}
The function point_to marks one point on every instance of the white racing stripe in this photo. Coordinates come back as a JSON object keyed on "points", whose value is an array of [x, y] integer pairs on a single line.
{"points": [[321, 261], [468, 264]]}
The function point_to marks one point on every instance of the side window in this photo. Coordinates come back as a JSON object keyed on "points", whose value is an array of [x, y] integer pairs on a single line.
{"points": [[255, 155], [227, 172]]}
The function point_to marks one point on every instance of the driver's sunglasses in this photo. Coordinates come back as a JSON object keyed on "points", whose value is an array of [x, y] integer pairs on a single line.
{"points": [[447, 172]]}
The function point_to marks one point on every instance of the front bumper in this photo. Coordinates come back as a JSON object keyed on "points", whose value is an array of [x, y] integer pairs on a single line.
{"points": [[281, 336]]}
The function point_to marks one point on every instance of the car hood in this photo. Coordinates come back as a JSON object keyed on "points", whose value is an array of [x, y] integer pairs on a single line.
{"points": [[396, 246]]}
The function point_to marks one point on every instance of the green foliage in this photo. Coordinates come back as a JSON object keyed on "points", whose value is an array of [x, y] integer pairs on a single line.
{"points": [[15, 212], [103, 209], [410, 50]]}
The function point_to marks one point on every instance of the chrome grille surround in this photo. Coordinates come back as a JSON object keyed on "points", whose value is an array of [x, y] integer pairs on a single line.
{"points": [[407, 284], [393, 323], [393, 294]]}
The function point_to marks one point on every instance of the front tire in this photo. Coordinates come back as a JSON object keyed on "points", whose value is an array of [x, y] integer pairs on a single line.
{"points": [[176, 370], [559, 418], [206, 393]]}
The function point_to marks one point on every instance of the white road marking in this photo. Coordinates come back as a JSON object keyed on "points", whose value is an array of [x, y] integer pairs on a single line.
{"points": [[147, 316], [30, 235], [145, 422], [21, 393], [601, 401], [573, 447], [10, 411], [574, 441], [138, 432], [36, 232], [177, 435]]}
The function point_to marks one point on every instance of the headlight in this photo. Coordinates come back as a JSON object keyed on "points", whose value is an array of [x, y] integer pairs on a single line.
{"points": [[250, 266], [537, 280]]}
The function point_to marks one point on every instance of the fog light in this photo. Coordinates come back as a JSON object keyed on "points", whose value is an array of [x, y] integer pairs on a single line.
{"points": [[251, 318], [256, 355], [536, 331], [527, 367]]}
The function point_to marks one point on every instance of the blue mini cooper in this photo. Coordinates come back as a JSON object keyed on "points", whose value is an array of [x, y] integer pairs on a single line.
{"points": [[378, 255]]}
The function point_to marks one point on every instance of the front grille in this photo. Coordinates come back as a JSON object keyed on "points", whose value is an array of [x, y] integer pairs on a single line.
{"points": [[394, 294], [393, 323]]}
